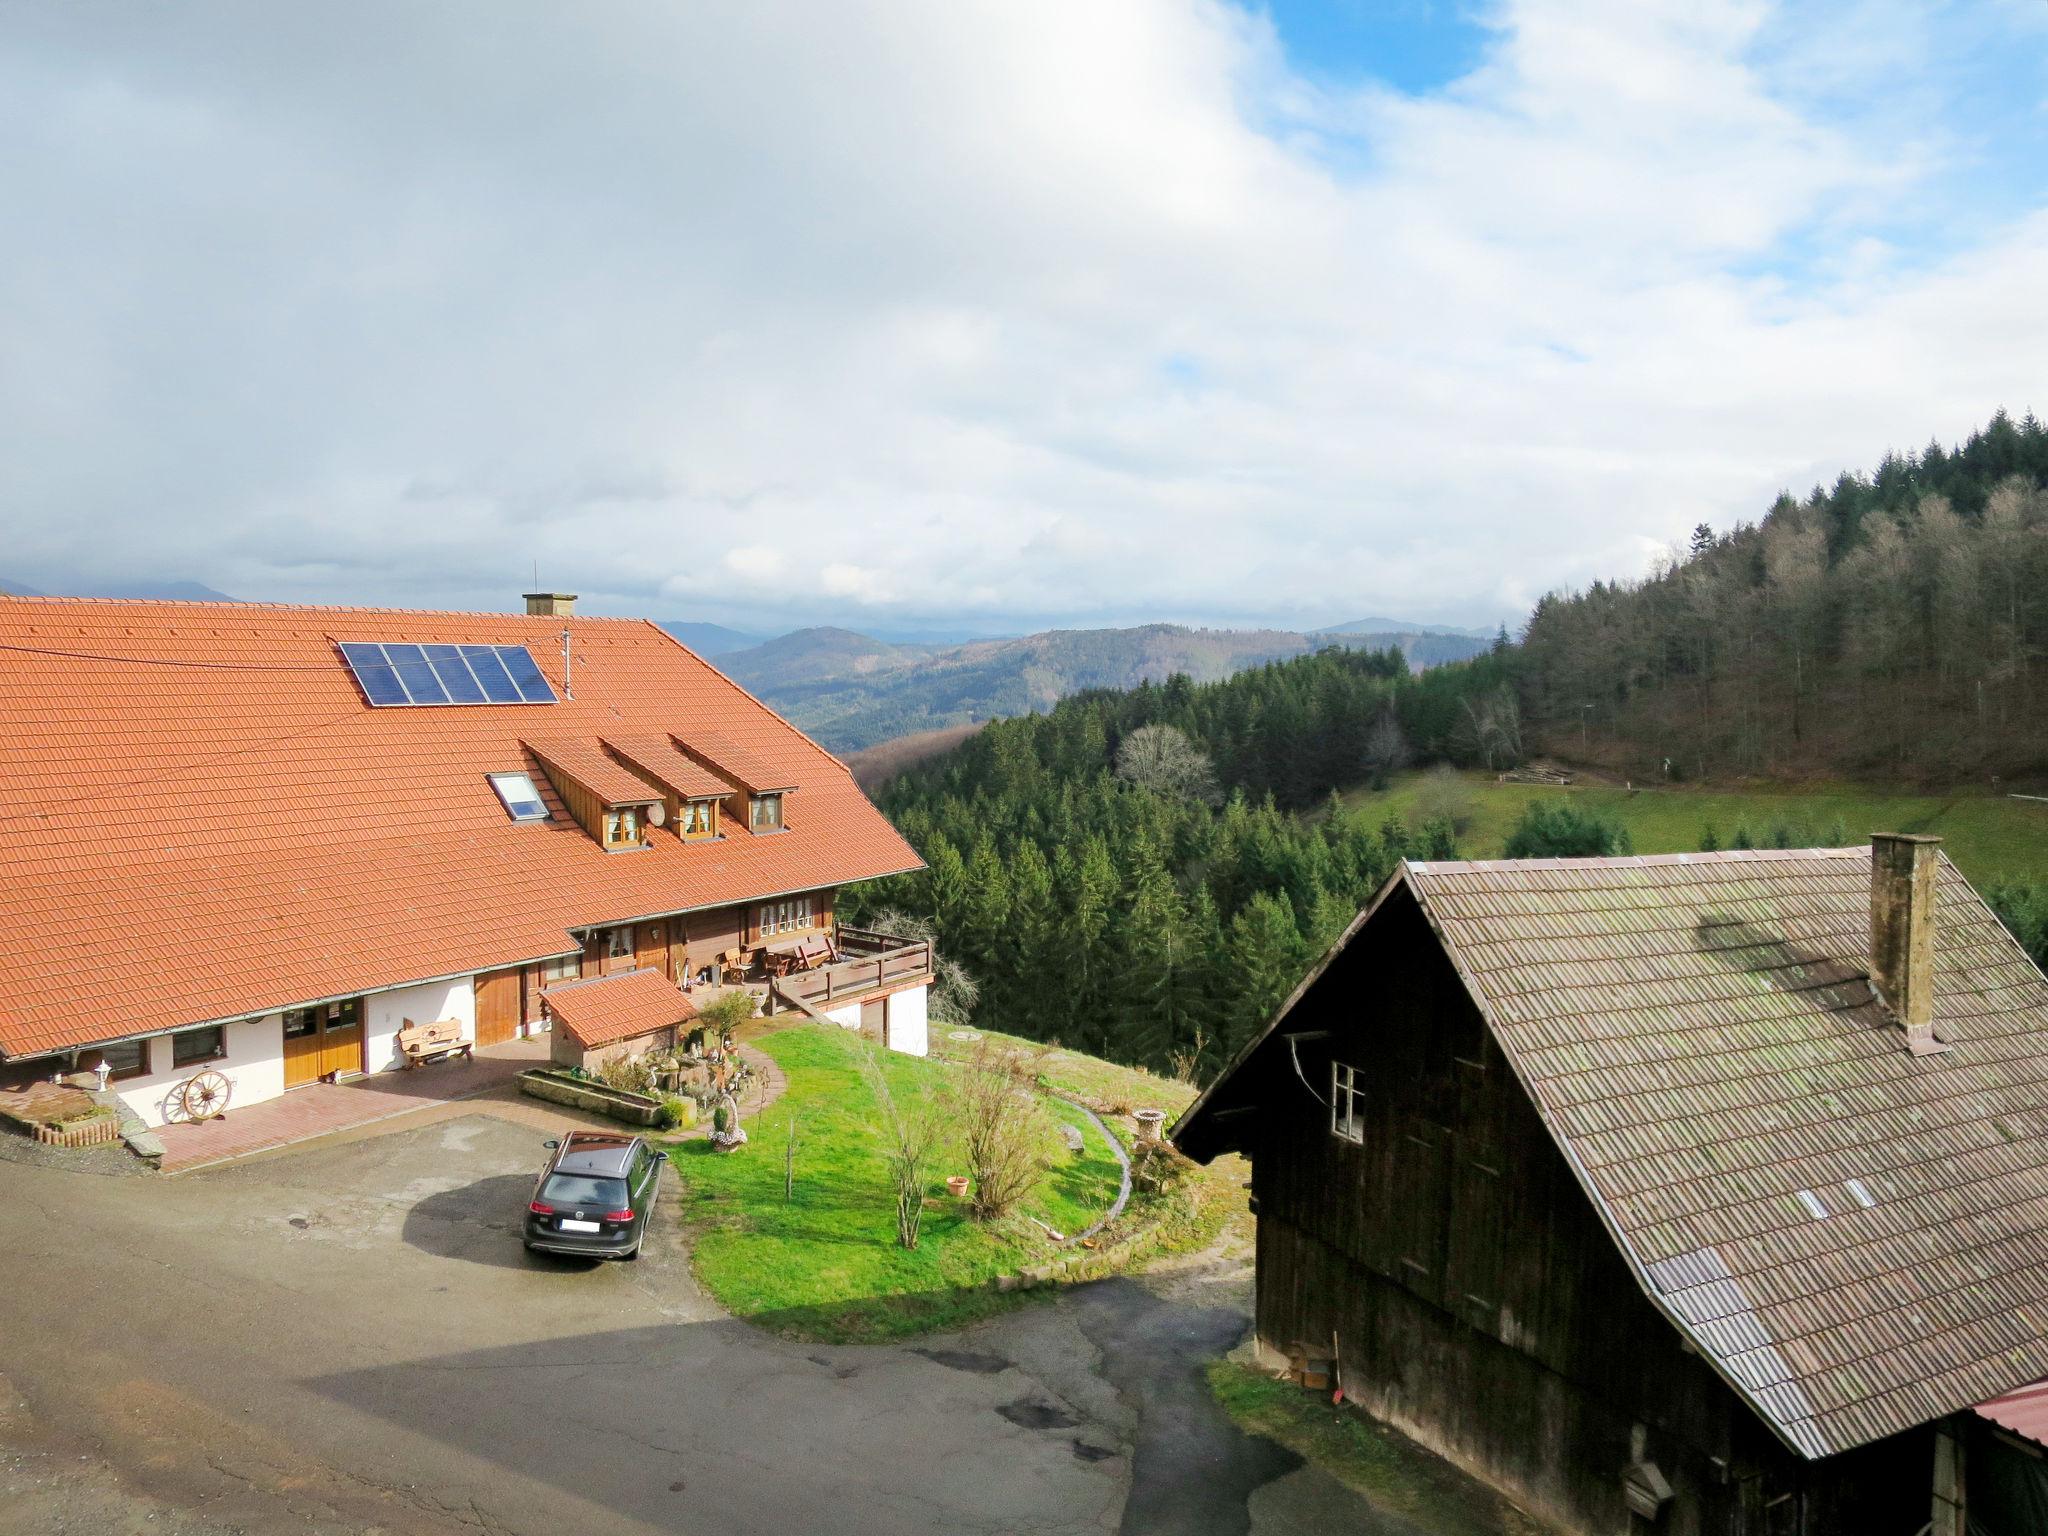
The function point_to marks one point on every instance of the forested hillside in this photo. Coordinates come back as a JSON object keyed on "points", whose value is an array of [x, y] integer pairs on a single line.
{"points": [[1139, 873], [851, 691], [1894, 626]]}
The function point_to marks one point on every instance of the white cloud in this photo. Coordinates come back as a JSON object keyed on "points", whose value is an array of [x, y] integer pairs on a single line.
{"points": [[993, 312]]}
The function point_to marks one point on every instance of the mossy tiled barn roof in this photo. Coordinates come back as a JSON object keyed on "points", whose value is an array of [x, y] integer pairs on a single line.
{"points": [[1856, 1236]]}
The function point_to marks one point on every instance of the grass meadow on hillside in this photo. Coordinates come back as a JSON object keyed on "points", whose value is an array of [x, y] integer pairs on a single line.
{"points": [[826, 1264], [1990, 836]]}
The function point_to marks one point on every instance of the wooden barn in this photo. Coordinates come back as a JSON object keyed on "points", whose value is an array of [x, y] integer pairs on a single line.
{"points": [[1703, 1194]]}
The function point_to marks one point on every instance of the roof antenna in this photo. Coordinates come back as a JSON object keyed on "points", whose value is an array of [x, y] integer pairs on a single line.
{"points": [[567, 691]]}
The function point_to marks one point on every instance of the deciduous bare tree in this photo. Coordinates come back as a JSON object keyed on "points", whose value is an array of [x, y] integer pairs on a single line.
{"points": [[913, 1128], [1164, 759], [1003, 1131]]}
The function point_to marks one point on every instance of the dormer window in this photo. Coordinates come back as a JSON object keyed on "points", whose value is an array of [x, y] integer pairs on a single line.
{"points": [[521, 800], [622, 827], [697, 819], [767, 813]]}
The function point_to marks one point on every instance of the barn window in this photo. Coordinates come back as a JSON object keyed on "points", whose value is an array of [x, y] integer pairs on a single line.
{"points": [[618, 944], [1347, 1114]]}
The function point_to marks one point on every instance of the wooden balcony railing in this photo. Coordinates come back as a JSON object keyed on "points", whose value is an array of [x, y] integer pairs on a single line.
{"points": [[868, 962]]}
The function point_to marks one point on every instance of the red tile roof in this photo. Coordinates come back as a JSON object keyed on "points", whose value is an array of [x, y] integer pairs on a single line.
{"points": [[591, 766], [733, 761], [200, 818], [602, 1009], [660, 759]]}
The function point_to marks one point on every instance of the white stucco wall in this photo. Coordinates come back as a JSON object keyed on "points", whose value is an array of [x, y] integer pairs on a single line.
{"points": [[254, 1064], [909, 1026], [385, 1014]]}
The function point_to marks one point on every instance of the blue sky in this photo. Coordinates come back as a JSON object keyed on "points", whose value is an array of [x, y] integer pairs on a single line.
{"points": [[1409, 45], [902, 312]]}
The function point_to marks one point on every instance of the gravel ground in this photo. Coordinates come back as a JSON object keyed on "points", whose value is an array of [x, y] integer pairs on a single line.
{"points": [[112, 1161]]}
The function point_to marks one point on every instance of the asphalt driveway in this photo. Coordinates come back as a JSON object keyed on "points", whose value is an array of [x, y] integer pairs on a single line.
{"points": [[350, 1338]]}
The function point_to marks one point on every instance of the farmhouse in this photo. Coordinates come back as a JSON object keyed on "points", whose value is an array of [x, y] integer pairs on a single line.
{"points": [[1703, 1194], [261, 840]]}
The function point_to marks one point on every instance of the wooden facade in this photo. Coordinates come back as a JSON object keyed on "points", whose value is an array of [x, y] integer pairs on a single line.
{"points": [[1455, 1268]]}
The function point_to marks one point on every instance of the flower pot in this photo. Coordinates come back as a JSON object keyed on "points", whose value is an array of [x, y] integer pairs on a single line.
{"points": [[956, 1186]]}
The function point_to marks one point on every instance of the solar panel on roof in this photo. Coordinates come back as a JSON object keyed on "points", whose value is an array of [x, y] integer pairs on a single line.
{"points": [[453, 674], [399, 674], [491, 674], [533, 688], [376, 676]]}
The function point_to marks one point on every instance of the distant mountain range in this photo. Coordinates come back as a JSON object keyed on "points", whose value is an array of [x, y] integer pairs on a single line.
{"points": [[181, 591], [852, 691]]}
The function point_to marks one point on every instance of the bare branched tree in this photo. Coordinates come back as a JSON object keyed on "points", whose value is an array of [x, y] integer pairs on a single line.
{"points": [[954, 990], [1165, 760], [915, 1128], [1386, 749], [1003, 1130]]}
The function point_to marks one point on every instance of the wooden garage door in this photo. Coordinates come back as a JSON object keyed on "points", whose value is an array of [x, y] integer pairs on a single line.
{"points": [[497, 1006], [874, 1019]]}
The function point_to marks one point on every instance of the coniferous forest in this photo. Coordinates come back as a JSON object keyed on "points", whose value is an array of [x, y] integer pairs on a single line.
{"points": [[1146, 874]]}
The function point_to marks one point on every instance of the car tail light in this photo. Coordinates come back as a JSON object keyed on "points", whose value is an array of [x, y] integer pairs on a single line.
{"points": [[618, 1215], [539, 1209]]}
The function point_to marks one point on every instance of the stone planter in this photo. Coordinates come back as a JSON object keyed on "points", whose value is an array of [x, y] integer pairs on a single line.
{"points": [[594, 1098], [1149, 1123], [956, 1186]]}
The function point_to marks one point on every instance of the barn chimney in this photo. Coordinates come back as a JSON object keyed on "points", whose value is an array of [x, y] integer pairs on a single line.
{"points": [[555, 605], [1902, 870]]}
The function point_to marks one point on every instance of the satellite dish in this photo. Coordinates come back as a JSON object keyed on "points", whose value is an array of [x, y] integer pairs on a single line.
{"points": [[657, 814]]}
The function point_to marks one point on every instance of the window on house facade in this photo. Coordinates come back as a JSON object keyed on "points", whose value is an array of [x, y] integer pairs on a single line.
{"points": [[698, 818], [622, 827], [189, 1047], [563, 968], [520, 798], [1347, 1111], [791, 916], [767, 813], [618, 943], [130, 1058]]}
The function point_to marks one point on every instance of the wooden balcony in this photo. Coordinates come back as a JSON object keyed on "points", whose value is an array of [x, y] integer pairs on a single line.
{"points": [[868, 962]]}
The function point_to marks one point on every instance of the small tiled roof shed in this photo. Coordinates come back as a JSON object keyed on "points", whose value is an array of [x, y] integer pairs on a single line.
{"points": [[1854, 1235]]}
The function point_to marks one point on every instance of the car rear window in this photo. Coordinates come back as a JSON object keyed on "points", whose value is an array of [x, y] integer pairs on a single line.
{"points": [[582, 1189]]}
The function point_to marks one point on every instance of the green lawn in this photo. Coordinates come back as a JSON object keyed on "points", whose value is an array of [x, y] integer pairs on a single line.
{"points": [[1988, 835], [826, 1264], [1389, 1470]]}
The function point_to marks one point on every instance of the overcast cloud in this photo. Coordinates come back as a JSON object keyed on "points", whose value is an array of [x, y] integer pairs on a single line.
{"points": [[984, 314]]}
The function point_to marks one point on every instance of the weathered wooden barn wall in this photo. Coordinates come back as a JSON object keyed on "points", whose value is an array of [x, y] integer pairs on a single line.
{"points": [[1475, 1298]]}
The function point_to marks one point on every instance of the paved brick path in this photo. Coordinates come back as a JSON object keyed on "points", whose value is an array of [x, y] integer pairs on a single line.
{"points": [[323, 1108], [364, 1105]]}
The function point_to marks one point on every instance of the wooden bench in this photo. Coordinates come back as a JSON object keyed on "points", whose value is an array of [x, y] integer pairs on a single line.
{"points": [[423, 1043]]}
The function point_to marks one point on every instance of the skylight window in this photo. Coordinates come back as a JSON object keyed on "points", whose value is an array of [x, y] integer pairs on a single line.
{"points": [[522, 801], [1813, 1206], [1862, 1193]]}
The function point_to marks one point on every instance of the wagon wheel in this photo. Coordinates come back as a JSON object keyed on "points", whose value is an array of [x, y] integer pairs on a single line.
{"points": [[205, 1096]]}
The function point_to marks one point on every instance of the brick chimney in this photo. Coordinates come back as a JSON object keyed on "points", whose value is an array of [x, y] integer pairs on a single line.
{"points": [[1902, 868], [558, 605]]}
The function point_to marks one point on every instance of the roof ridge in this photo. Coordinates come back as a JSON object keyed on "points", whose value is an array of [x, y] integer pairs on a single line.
{"points": [[238, 605], [1633, 860]]}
